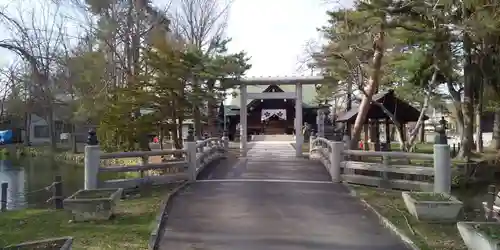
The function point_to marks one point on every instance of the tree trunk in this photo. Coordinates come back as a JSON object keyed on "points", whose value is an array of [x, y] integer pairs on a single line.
{"points": [[197, 123], [52, 131], [495, 142], [479, 123], [212, 112], [371, 86], [467, 105], [180, 139], [419, 126], [74, 146], [27, 129], [161, 135]]}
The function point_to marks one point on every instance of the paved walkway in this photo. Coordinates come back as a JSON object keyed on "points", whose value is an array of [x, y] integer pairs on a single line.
{"points": [[272, 200]]}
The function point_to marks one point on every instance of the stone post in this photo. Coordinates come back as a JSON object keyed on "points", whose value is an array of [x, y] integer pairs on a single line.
{"points": [[442, 162], [3, 196], [311, 142], [346, 139], [225, 142], [442, 168], [190, 147], [243, 120], [335, 160], [299, 138], [92, 160], [320, 123], [200, 149]]}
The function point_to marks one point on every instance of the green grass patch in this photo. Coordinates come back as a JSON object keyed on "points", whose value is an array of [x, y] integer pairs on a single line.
{"points": [[65, 155], [130, 228], [429, 197], [427, 236]]}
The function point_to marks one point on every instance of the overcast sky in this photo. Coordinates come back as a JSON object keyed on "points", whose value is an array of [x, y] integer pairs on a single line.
{"points": [[274, 32]]}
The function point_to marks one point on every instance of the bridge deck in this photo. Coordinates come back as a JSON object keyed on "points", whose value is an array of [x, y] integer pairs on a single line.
{"points": [[271, 200]]}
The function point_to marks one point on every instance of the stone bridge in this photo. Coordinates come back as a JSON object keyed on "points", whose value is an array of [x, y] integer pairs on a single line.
{"points": [[270, 199]]}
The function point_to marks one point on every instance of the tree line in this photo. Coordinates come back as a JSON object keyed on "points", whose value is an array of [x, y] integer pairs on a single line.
{"points": [[429, 51], [103, 62]]}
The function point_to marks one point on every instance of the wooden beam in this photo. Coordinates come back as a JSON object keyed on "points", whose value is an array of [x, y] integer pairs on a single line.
{"points": [[271, 95], [283, 80]]}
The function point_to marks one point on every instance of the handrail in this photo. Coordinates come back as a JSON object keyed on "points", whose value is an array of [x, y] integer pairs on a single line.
{"points": [[321, 140], [131, 154], [204, 143], [331, 155], [191, 160], [390, 154]]}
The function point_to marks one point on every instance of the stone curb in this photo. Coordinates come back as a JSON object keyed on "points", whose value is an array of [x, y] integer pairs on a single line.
{"points": [[385, 222], [161, 218]]}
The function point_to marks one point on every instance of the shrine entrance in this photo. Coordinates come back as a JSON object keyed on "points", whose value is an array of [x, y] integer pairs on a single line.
{"points": [[273, 125], [274, 121]]}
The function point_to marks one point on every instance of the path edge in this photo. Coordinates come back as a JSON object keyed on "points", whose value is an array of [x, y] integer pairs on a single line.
{"points": [[161, 218], [384, 221]]}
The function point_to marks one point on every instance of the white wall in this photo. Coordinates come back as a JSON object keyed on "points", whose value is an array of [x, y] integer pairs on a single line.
{"points": [[37, 121]]}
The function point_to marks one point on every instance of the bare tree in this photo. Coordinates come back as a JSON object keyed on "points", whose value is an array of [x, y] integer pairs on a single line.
{"points": [[201, 25], [36, 36]]}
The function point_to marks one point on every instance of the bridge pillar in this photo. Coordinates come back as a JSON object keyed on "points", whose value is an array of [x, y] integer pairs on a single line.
{"points": [[243, 119], [299, 137], [442, 168], [92, 160], [311, 142], [335, 160], [225, 143], [190, 146], [442, 161]]}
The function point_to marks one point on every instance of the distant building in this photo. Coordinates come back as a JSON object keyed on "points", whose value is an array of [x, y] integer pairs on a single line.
{"points": [[271, 116]]}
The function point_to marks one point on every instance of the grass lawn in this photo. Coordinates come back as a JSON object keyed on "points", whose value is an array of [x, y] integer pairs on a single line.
{"points": [[129, 230], [390, 204]]}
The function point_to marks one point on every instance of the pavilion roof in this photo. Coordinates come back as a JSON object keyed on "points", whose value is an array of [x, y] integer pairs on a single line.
{"points": [[403, 111]]}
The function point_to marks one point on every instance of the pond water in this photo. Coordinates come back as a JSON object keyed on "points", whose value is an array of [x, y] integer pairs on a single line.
{"points": [[28, 177]]}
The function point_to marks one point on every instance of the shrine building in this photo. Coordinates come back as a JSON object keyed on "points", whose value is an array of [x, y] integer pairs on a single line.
{"points": [[272, 105]]}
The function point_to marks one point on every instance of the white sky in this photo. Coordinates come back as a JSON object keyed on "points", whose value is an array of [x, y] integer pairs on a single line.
{"points": [[274, 32]]}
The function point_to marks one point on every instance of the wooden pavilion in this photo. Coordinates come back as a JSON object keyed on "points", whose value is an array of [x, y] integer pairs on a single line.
{"points": [[403, 112]]}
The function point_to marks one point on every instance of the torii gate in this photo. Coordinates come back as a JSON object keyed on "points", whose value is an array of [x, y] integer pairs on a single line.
{"points": [[298, 81]]}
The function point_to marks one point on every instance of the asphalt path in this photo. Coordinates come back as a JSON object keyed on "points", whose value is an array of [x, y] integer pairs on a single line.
{"points": [[271, 200]]}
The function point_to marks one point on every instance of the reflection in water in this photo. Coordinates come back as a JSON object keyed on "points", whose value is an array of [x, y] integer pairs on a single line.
{"points": [[28, 178], [15, 177]]}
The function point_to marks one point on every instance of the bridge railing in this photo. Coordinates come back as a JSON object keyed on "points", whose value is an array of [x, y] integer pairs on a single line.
{"points": [[172, 165], [391, 172]]}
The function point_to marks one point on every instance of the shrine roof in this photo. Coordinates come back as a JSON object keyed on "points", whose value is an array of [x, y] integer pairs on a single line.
{"points": [[402, 110], [308, 94]]}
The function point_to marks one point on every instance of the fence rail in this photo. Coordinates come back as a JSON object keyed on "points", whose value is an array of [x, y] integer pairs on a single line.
{"points": [[188, 161], [339, 162], [118, 155]]}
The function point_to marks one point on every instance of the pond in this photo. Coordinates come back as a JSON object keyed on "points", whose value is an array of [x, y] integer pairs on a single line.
{"points": [[27, 179]]}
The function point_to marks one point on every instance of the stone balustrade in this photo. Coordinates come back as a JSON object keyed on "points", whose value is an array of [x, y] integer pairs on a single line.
{"points": [[338, 160], [190, 160]]}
